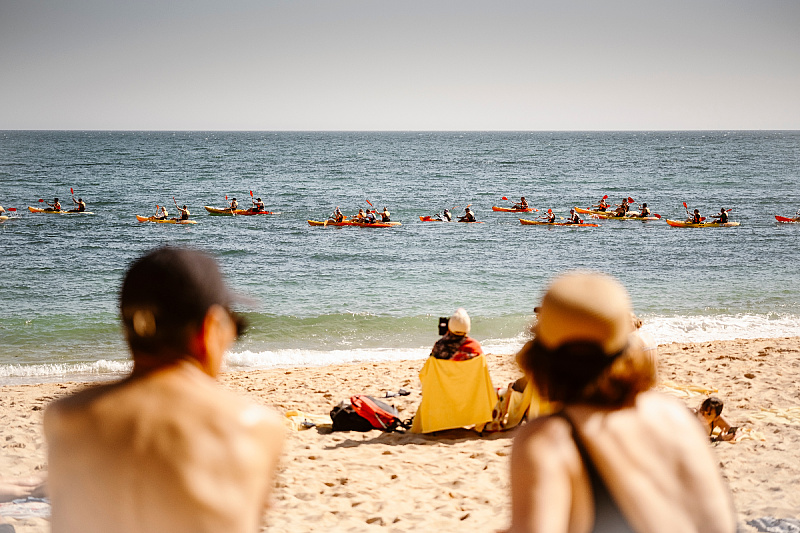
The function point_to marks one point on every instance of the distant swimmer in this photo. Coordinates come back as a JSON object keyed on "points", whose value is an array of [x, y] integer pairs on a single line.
{"points": [[574, 218], [468, 216], [234, 205], [55, 206], [161, 213], [258, 206], [385, 215], [522, 204], [602, 205], [722, 216], [81, 206]]}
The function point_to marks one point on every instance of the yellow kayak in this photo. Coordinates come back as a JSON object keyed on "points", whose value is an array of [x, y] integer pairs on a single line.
{"points": [[62, 212], [164, 220]]}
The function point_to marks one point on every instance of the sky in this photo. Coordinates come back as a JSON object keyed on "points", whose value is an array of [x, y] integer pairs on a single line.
{"points": [[413, 65]]}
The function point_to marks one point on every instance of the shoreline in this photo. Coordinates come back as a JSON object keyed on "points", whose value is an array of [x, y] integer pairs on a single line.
{"points": [[457, 480]]}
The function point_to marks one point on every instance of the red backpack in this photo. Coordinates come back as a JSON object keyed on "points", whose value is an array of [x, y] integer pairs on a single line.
{"points": [[381, 415]]}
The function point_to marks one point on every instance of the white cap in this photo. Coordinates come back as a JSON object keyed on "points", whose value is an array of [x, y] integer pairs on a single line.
{"points": [[459, 323]]}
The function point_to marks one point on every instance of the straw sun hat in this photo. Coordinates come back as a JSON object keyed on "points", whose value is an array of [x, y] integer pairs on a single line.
{"points": [[585, 307]]}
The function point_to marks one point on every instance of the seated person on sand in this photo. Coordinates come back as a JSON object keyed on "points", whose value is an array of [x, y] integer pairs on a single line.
{"points": [[455, 345], [709, 413], [167, 448], [614, 456], [456, 387]]}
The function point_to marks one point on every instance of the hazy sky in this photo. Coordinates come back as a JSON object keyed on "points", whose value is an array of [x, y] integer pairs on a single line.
{"points": [[408, 65]]}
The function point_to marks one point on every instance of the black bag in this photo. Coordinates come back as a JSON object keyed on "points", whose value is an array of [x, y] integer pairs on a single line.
{"points": [[345, 418]]}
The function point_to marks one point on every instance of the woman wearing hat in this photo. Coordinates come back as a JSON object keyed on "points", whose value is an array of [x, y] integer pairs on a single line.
{"points": [[456, 344], [614, 457]]}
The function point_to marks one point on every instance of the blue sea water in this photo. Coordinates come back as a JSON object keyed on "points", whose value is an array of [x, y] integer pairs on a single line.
{"points": [[329, 295]]}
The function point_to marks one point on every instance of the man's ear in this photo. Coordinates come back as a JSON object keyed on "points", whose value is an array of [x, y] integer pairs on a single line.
{"points": [[213, 339]]}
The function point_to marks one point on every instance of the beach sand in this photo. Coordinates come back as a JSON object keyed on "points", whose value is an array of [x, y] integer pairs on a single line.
{"points": [[458, 480]]}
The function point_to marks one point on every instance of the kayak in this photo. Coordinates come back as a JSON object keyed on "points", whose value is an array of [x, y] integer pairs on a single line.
{"points": [[609, 215], [683, 224], [216, 211], [358, 224], [50, 211], [471, 221], [513, 209], [525, 222], [164, 220], [787, 219], [3, 218], [429, 218]]}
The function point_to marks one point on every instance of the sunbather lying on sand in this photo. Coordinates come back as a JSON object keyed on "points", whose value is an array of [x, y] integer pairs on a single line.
{"points": [[16, 488]]}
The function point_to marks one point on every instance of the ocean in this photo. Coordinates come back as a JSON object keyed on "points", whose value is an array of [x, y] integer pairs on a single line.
{"points": [[328, 295]]}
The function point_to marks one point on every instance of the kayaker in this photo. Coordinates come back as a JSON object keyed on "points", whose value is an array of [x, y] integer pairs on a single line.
{"points": [[549, 217], [522, 204], [337, 215], [468, 216], [258, 206], [722, 216], [448, 217], [55, 206], [385, 215], [81, 206], [574, 218], [234, 205], [369, 217], [360, 216], [695, 218], [603, 205], [645, 212], [622, 209], [184, 213], [161, 213], [455, 345]]}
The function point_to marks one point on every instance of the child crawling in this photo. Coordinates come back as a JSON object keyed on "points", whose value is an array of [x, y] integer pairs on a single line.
{"points": [[710, 415]]}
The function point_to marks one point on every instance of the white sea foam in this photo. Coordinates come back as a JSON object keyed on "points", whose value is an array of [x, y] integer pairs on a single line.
{"points": [[664, 329]]}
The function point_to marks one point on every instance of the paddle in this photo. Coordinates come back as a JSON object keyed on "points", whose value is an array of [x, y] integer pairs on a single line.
{"points": [[12, 208]]}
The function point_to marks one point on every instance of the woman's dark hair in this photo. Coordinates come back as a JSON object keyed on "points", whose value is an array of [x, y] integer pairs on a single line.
{"points": [[580, 372]]}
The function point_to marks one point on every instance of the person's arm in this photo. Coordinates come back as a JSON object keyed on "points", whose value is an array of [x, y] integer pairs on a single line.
{"points": [[541, 489]]}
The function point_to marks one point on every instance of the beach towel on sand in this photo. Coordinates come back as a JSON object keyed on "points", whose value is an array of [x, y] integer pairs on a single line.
{"points": [[454, 394], [514, 406]]}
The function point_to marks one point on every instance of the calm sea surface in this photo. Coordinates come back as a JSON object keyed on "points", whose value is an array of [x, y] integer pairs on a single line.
{"points": [[330, 295]]}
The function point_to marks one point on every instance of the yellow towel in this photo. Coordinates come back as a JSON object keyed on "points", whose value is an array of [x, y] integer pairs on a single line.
{"points": [[454, 394]]}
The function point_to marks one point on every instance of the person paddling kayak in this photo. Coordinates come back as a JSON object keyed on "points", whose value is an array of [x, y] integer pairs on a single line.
{"points": [[369, 217], [722, 216], [574, 218], [522, 204], [258, 206], [468, 216], [234, 205], [55, 206], [622, 209], [161, 213], [184, 213], [644, 213], [337, 216], [448, 217], [549, 217], [385, 215], [602, 205], [81, 206], [695, 217]]}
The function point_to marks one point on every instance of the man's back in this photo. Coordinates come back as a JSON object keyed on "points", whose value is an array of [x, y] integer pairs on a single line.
{"points": [[168, 451]]}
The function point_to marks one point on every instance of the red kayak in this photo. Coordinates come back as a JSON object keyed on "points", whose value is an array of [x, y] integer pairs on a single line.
{"points": [[787, 219]]}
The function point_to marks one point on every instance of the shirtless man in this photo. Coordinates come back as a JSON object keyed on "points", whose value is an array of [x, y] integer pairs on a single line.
{"points": [[55, 206], [167, 448]]}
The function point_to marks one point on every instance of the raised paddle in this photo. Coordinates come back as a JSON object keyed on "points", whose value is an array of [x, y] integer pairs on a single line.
{"points": [[504, 198], [370, 203]]}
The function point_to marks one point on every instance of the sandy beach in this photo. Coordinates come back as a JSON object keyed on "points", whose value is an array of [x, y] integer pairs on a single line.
{"points": [[458, 480]]}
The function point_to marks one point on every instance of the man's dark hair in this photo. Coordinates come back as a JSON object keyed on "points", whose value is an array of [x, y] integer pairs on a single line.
{"points": [[165, 296], [712, 402]]}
